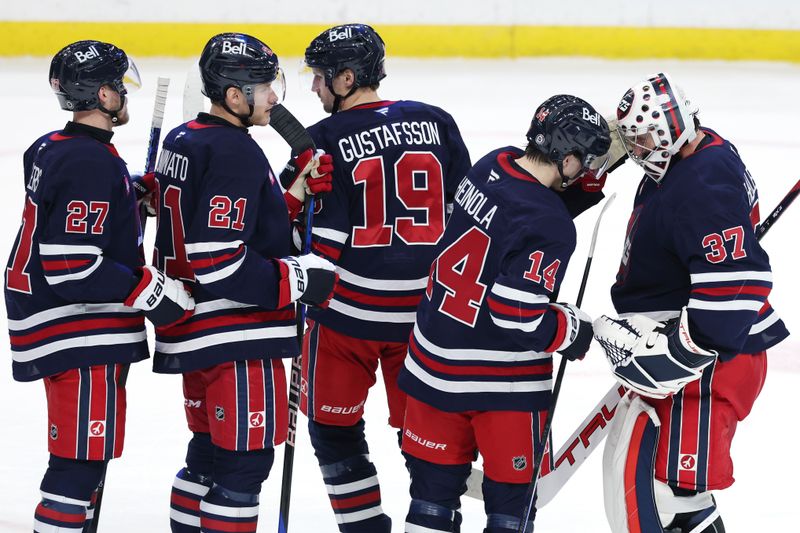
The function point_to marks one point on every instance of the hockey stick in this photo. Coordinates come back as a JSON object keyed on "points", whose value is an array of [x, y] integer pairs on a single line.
{"points": [[150, 165], [594, 428], [537, 461], [152, 146], [288, 127]]}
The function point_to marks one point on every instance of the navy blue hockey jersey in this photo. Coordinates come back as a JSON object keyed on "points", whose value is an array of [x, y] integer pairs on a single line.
{"points": [[690, 242], [222, 223], [73, 261], [396, 166], [485, 329]]}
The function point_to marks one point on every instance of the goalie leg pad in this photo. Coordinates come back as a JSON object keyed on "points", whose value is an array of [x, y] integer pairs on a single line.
{"points": [[628, 466]]}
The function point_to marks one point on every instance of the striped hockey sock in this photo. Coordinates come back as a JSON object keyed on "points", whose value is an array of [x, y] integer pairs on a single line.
{"points": [[64, 516], [355, 495], [226, 511], [187, 491]]}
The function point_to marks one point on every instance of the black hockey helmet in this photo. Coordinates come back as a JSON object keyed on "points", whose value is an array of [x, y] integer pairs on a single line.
{"points": [[357, 47], [565, 125], [78, 71], [237, 60]]}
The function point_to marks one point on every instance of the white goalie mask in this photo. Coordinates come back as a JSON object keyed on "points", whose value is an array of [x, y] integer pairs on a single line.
{"points": [[655, 120]]}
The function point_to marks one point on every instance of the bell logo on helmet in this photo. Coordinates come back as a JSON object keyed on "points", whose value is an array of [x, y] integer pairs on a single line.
{"points": [[594, 118], [85, 55], [344, 33], [232, 48]]}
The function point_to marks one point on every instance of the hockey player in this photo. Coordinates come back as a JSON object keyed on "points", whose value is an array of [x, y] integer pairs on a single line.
{"points": [[76, 287], [694, 323], [479, 362], [397, 165], [224, 229]]}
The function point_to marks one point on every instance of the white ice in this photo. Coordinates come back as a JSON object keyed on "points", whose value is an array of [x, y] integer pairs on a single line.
{"points": [[753, 104]]}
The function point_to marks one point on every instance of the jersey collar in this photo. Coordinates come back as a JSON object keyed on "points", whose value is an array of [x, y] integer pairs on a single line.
{"points": [[76, 128], [506, 161]]}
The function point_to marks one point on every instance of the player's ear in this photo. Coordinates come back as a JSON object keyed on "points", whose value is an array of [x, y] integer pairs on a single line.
{"points": [[349, 78], [233, 96]]}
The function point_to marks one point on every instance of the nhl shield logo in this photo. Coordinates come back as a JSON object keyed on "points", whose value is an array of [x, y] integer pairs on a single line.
{"points": [[53, 431], [519, 463], [219, 413]]}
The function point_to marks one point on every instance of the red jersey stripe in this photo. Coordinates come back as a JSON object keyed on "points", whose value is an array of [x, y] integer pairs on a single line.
{"points": [[84, 326], [387, 301], [478, 370]]}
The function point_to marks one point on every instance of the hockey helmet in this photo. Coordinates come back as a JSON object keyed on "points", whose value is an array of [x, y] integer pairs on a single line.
{"points": [[242, 61], [565, 125], [79, 69], [357, 47], [655, 121]]}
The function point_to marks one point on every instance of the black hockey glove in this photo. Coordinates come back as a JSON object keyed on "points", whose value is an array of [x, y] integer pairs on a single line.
{"points": [[577, 333], [165, 301], [308, 278]]}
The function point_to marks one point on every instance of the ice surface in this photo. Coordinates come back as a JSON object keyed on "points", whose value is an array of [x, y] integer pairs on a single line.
{"points": [[752, 104]]}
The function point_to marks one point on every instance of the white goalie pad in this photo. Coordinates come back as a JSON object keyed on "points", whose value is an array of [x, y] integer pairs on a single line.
{"points": [[630, 491], [632, 414]]}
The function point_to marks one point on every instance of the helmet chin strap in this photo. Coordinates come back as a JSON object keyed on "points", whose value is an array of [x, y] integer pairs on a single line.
{"points": [[564, 179], [338, 99], [244, 119], [113, 114]]}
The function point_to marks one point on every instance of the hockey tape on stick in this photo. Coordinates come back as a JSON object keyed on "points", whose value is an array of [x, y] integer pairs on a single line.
{"points": [[155, 126]]}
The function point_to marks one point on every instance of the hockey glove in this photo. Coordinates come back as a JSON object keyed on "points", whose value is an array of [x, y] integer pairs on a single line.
{"points": [[144, 186], [165, 301], [308, 278], [308, 173], [574, 333], [655, 359]]}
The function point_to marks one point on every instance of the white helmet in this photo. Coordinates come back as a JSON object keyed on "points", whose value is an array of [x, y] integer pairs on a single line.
{"points": [[655, 120]]}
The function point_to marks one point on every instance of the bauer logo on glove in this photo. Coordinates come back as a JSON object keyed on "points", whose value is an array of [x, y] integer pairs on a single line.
{"points": [[655, 359]]}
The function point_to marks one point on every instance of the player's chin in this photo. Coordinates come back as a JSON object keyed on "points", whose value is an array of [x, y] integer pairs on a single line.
{"points": [[262, 119]]}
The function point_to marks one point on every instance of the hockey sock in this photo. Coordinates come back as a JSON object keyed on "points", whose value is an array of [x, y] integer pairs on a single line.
{"points": [[428, 517], [67, 489], [188, 490], [435, 494], [232, 502], [223, 510], [504, 503], [191, 484], [51, 516], [350, 477]]}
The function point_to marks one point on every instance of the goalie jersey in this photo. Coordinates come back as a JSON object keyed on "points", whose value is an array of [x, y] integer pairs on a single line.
{"points": [[691, 242], [222, 221], [73, 261], [484, 329], [396, 166]]}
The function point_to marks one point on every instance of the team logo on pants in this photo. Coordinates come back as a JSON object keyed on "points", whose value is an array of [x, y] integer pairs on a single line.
{"points": [[97, 428], [257, 419], [519, 462], [219, 413], [53, 431], [688, 462]]}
